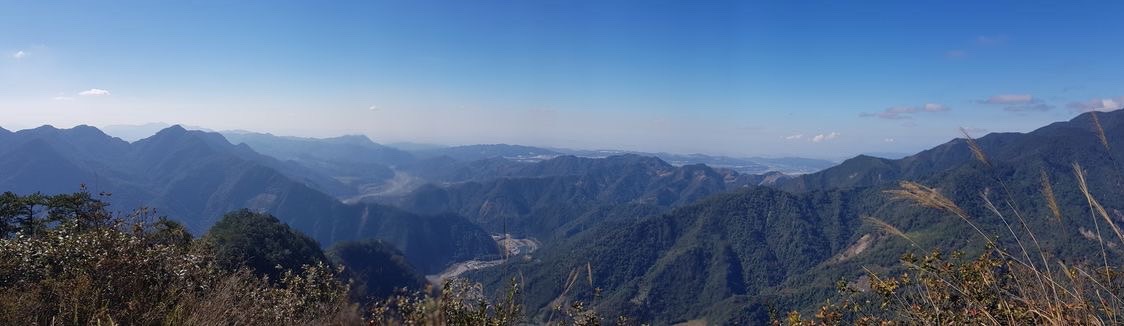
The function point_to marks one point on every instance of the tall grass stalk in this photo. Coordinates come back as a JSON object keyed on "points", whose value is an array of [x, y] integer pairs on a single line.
{"points": [[992, 289]]}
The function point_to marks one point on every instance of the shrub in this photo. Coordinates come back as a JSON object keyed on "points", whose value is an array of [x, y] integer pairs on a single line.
{"points": [[65, 260]]}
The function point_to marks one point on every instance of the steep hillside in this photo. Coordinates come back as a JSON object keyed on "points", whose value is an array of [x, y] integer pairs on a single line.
{"points": [[175, 144], [729, 258], [538, 199], [678, 266], [377, 269]]}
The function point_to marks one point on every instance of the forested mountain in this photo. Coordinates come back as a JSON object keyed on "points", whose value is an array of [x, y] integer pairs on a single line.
{"points": [[343, 149], [52, 160], [566, 194], [750, 165], [746, 165], [1057, 144], [365, 169], [731, 257], [362, 170], [354, 160], [696, 260], [489, 151], [132, 133], [377, 269], [261, 243], [197, 176], [268, 247]]}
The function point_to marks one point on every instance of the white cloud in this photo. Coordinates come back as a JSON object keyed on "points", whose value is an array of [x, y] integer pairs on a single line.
{"points": [[373, 108], [1029, 107], [905, 112], [94, 92], [888, 140], [1018, 103], [901, 109], [19, 55], [1010, 99], [1098, 104], [825, 137], [794, 137], [934, 107]]}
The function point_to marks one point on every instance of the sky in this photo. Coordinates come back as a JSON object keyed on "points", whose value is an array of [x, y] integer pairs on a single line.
{"points": [[825, 79]]}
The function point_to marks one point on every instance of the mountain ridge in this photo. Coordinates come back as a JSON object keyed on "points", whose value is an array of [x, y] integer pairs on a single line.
{"points": [[198, 176], [730, 257]]}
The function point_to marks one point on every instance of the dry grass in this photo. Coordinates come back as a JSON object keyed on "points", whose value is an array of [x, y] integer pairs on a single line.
{"points": [[997, 287], [888, 229], [977, 152], [1048, 194], [1100, 131], [926, 196], [1094, 205]]}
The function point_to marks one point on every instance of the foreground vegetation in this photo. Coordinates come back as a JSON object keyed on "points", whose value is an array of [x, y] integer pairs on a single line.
{"points": [[67, 260], [1012, 282]]}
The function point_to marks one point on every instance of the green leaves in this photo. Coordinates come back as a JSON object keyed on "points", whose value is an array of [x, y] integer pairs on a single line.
{"points": [[261, 243]]}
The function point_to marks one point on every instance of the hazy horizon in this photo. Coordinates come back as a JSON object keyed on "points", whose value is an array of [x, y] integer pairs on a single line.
{"points": [[132, 133], [721, 78]]}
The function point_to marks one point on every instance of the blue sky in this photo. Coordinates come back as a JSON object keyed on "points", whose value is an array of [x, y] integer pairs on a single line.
{"points": [[817, 79]]}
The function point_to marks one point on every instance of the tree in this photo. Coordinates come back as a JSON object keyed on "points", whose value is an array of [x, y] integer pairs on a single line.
{"points": [[261, 243], [377, 269]]}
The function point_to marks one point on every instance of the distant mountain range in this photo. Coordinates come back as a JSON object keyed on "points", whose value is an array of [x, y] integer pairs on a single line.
{"points": [[375, 172], [285, 148], [197, 176], [746, 165], [563, 195], [490, 151]]}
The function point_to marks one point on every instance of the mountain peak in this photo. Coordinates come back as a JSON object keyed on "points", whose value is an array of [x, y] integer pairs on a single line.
{"points": [[86, 133], [175, 129], [174, 133], [639, 159], [87, 130], [1107, 119], [80, 131], [44, 128], [41, 131], [353, 139]]}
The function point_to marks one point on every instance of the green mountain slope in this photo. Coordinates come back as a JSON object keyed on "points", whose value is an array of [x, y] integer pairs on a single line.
{"points": [[377, 269], [539, 199], [729, 258]]}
